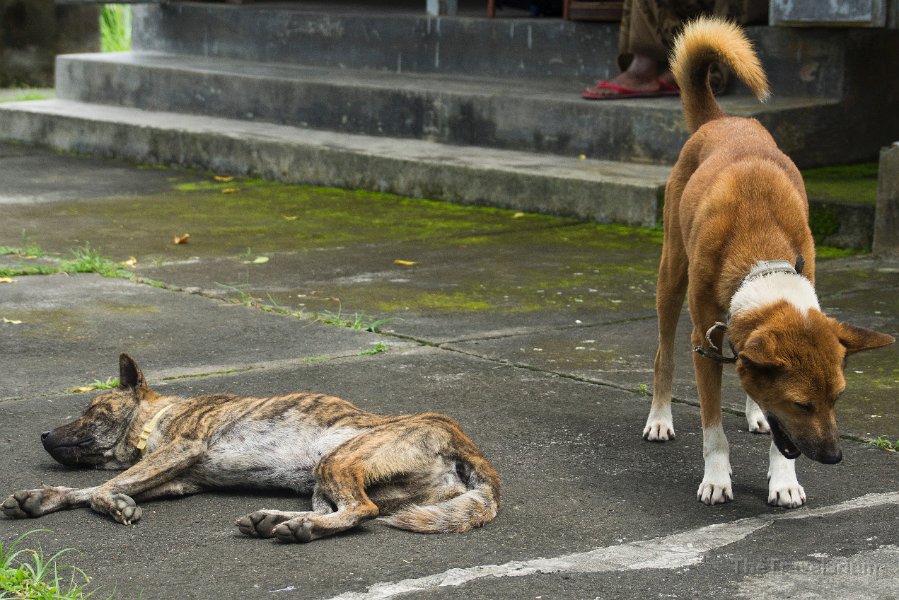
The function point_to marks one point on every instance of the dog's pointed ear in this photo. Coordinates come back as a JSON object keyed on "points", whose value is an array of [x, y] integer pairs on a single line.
{"points": [[856, 339], [130, 375], [759, 353]]}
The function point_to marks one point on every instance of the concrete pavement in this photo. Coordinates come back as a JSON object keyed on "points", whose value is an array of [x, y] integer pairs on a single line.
{"points": [[535, 333]]}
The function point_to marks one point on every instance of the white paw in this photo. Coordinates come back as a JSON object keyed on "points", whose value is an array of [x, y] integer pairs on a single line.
{"points": [[789, 495], [658, 431], [715, 492], [783, 487], [659, 425], [715, 487], [756, 418]]}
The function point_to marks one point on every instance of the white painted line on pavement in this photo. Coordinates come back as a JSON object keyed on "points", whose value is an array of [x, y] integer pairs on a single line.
{"points": [[668, 552]]}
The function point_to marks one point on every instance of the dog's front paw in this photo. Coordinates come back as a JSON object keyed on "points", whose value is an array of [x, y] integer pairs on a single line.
{"points": [[658, 431], [24, 504], [755, 418], [659, 426], [714, 492], [262, 522], [120, 507], [787, 495]]}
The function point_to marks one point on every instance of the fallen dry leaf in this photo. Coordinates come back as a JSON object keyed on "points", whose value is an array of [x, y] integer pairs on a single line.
{"points": [[82, 389], [223, 178], [11, 321], [182, 239], [230, 190], [289, 218], [7, 280], [404, 263], [518, 215], [130, 262]]}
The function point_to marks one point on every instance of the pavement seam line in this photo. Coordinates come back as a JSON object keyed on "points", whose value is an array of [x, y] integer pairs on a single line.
{"points": [[669, 552]]}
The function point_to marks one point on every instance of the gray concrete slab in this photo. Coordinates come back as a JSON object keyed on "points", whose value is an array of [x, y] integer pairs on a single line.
{"points": [[68, 329], [576, 477], [589, 509]]}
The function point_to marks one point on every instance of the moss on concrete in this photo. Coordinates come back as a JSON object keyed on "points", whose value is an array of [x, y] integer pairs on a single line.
{"points": [[856, 184]]}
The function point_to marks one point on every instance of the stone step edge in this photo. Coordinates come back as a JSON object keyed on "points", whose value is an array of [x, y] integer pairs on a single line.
{"points": [[545, 92], [601, 191]]}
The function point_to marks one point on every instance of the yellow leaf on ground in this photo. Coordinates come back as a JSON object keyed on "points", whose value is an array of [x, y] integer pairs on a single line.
{"points": [[256, 261], [130, 262], [223, 178], [82, 389], [290, 218], [404, 263], [7, 280], [11, 321], [182, 239], [230, 190], [518, 215]]}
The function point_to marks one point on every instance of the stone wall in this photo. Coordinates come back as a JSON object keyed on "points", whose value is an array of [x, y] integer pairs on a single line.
{"points": [[886, 222], [33, 32]]}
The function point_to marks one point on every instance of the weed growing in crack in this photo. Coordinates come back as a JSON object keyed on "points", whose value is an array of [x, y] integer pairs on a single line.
{"points": [[26, 249], [110, 383], [376, 349], [29, 573], [884, 443]]}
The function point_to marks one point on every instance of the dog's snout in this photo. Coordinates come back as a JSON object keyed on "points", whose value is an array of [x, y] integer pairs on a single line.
{"points": [[832, 456], [44, 435]]}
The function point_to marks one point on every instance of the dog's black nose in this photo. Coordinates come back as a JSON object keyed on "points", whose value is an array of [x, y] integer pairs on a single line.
{"points": [[44, 435], [832, 457]]}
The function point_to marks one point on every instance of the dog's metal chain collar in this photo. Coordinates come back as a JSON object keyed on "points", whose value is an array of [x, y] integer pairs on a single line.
{"points": [[763, 268], [715, 353], [148, 430]]}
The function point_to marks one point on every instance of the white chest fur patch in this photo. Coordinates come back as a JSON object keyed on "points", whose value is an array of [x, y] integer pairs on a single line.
{"points": [[761, 291]]}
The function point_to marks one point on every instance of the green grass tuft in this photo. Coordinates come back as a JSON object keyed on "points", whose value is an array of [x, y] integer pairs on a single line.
{"points": [[115, 27], [884, 443], [376, 349], [28, 573], [88, 260], [110, 383], [27, 248]]}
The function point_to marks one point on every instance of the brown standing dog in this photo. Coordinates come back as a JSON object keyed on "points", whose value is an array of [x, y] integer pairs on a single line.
{"points": [[421, 470], [736, 238]]}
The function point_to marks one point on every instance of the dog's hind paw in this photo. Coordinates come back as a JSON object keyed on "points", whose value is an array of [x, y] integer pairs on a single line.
{"points": [[262, 522], [755, 418], [295, 530], [23, 504], [714, 493]]}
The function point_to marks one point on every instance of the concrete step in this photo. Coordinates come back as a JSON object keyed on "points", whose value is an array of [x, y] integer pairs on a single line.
{"points": [[544, 115], [381, 39], [799, 62], [589, 189]]}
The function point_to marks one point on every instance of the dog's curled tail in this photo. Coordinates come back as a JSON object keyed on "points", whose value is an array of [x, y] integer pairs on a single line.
{"points": [[702, 42], [469, 510]]}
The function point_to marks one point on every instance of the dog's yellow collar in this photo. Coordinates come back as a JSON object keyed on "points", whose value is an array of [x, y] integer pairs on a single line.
{"points": [[148, 430]]}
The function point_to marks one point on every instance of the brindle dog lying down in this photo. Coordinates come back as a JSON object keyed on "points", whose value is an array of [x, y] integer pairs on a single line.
{"points": [[420, 471]]}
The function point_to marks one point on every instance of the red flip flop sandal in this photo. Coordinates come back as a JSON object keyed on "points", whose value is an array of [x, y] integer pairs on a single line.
{"points": [[665, 89]]}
